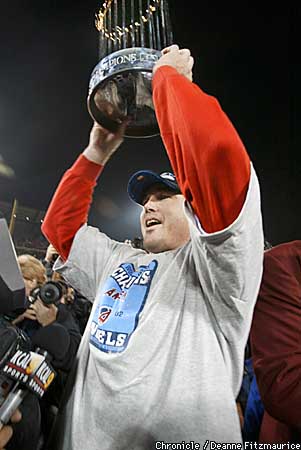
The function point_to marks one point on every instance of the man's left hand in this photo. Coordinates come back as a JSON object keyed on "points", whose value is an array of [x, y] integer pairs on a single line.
{"points": [[180, 59]]}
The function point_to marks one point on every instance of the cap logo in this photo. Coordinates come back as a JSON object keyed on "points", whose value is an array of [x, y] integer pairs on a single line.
{"points": [[168, 176]]}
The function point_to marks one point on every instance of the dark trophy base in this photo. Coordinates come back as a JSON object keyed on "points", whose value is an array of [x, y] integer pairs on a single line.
{"points": [[121, 87]]}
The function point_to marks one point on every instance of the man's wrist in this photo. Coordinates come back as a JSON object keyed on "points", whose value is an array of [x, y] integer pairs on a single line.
{"points": [[93, 155]]}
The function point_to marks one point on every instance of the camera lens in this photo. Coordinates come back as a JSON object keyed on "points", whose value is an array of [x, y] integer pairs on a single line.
{"points": [[50, 292]]}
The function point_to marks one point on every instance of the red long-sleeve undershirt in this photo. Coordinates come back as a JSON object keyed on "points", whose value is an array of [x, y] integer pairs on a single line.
{"points": [[206, 154]]}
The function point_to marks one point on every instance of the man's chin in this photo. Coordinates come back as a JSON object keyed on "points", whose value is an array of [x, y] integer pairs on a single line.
{"points": [[153, 246]]}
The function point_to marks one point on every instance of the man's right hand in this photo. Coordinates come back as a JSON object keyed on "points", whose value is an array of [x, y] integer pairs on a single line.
{"points": [[103, 143]]}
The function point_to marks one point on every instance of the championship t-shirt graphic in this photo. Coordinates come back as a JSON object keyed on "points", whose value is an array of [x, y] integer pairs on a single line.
{"points": [[119, 305]]}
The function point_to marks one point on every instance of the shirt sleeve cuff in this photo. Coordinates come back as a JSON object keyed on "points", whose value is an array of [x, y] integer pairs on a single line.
{"points": [[162, 73]]}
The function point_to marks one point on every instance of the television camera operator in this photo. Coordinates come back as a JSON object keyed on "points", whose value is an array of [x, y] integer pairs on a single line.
{"points": [[44, 307]]}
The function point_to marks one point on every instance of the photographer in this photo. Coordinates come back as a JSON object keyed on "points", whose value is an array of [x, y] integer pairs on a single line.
{"points": [[41, 313], [34, 275]]}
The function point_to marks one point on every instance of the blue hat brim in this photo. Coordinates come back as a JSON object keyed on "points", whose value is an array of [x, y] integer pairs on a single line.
{"points": [[141, 181]]}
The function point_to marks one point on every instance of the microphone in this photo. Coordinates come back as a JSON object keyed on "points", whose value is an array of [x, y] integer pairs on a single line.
{"points": [[30, 371]]}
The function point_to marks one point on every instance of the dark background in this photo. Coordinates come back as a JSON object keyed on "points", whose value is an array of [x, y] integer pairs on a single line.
{"points": [[243, 56]]}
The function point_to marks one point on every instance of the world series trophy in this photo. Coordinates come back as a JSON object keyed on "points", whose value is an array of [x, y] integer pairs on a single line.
{"points": [[132, 34]]}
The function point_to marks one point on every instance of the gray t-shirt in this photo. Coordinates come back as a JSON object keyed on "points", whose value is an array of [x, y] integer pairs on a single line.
{"points": [[162, 355]]}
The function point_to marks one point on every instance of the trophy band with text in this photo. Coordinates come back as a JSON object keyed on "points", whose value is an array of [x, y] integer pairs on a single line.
{"points": [[132, 34]]}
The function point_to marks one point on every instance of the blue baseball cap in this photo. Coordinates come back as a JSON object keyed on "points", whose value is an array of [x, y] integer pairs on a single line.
{"points": [[141, 181]]}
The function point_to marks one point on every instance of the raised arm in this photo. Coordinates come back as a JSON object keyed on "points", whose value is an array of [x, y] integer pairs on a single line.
{"points": [[69, 208], [207, 156]]}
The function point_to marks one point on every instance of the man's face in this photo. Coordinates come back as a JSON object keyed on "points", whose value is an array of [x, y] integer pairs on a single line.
{"points": [[164, 225]]}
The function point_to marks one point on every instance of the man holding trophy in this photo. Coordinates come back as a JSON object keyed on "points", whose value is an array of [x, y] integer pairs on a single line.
{"points": [[162, 355]]}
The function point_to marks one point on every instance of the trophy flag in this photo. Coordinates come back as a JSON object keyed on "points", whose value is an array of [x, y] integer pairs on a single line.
{"points": [[132, 34]]}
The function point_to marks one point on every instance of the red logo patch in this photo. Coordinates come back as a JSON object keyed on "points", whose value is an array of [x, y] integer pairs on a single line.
{"points": [[104, 314]]}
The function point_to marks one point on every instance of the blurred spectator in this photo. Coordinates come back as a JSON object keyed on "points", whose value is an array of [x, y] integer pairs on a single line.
{"points": [[275, 340], [76, 303], [136, 242], [249, 402]]}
